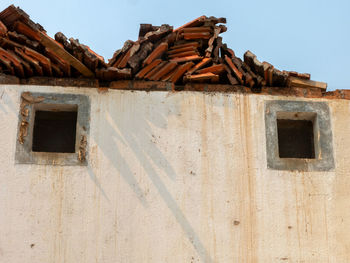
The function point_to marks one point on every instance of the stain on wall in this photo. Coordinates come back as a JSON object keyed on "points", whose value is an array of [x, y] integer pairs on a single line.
{"points": [[172, 177]]}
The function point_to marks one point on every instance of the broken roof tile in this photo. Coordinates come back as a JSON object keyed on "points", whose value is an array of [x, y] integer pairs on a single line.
{"points": [[187, 58], [3, 29], [147, 69], [164, 70], [157, 53], [216, 69], [43, 61], [181, 71], [160, 53]]}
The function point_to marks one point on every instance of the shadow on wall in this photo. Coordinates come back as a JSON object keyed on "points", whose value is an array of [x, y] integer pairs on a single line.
{"points": [[135, 134], [6, 100], [133, 129]]}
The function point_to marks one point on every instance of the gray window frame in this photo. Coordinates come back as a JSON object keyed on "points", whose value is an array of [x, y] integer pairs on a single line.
{"points": [[30, 102], [319, 113]]}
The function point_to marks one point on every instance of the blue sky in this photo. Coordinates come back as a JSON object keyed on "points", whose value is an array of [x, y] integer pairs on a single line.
{"points": [[305, 36]]}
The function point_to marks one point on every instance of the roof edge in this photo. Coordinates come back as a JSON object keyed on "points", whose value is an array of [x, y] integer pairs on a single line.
{"points": [[149, 86]]}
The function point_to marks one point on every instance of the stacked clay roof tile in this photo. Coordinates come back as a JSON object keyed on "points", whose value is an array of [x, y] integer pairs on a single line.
{"points": [[192, 53]]}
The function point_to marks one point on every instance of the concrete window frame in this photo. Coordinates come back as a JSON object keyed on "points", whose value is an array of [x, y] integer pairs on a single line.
{"points": [[32, 101], [319, 114]]}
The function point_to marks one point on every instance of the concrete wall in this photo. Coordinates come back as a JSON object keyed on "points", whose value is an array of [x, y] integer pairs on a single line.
{"points": [[172, 177]]}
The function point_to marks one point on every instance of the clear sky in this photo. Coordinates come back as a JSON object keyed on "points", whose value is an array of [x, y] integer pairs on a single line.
{"points": [[311, 36]]}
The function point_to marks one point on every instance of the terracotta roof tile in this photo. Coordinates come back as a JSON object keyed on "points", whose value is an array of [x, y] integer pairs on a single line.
{"points": [[185, 59], [147, 68], [163, 71], [157, 53], [43, 61], [160, 53]]}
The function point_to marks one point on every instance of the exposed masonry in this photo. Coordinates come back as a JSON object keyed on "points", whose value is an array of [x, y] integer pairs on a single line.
{"points": [[319, 113], [192, 53], [30, 102]]}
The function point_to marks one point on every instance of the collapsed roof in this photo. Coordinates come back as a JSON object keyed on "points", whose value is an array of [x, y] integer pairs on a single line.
{"points": [[192, 53]]}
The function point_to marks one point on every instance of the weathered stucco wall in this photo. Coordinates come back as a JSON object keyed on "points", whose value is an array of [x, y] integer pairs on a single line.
{"points": [[172, 177]]}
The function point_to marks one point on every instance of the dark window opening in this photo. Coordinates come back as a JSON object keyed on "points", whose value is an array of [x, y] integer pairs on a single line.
{"points": [[296, 139], [54, 131]]}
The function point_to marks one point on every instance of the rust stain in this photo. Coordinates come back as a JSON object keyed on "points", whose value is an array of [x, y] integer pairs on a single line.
{"points": [[82, 149], [27, 100], [58, 193], [27, 96], [23, 131]]}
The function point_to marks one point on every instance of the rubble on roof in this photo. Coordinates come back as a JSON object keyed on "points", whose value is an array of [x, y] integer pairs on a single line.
{"points": [[192, 53]]}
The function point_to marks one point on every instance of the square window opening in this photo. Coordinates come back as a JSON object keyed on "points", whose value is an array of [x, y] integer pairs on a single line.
{"points": [[312, 149], [54, 128], [296, 135]]}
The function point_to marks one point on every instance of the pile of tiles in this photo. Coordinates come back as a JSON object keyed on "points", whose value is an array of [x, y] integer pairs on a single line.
{"points": [[194, 52]]}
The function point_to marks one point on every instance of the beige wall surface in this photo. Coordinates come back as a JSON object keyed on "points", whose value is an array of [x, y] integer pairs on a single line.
{"points": [[172, 177]]}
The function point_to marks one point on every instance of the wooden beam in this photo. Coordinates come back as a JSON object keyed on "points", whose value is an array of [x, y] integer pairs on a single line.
{"points": [[297, 74], [46, 41], [304, 83]]}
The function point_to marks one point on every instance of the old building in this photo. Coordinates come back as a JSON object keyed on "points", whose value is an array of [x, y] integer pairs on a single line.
{"points": [[207, 159]]}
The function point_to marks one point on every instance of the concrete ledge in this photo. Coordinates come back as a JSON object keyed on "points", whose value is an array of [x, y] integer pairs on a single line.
{"points": [[168, 86]]}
